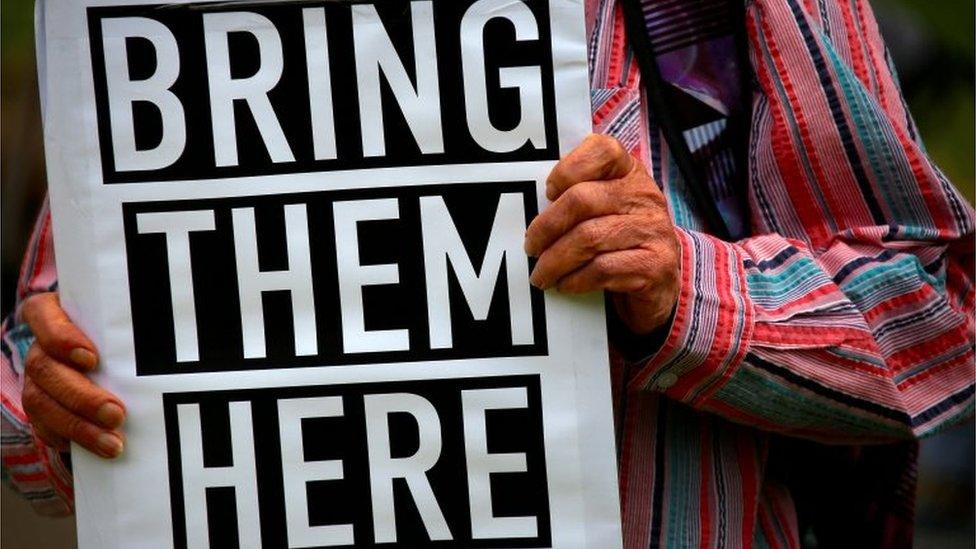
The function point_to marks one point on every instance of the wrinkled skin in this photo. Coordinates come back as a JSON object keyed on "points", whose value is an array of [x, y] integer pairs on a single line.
{"points": [[608, 228], [59, 399]]}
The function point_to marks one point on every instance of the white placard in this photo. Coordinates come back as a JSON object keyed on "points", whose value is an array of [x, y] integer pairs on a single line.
{"points": [[294, 231]]}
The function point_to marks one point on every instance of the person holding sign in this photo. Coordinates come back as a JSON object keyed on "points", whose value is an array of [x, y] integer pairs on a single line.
{"points": [[789, 279]]}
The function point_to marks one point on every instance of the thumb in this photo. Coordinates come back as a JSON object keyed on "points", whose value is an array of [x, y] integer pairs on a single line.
{"points": [[56, 333]]}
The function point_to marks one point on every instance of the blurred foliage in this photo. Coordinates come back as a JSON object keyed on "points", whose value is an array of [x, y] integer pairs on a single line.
{"points": [[16, 30], [932, 43], [947, 130], [951, 21]]}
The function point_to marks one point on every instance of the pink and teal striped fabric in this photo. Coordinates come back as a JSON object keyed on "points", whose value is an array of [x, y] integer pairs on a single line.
{"points": [[33, 469], [845, 318]]}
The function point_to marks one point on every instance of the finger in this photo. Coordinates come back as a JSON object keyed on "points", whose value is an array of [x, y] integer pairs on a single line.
{"points": [[51, 439], [587, 240], [72, 390], [622, 271], [43, 410], [597, 158], [56, 333], [634, 193], [584, 201]]}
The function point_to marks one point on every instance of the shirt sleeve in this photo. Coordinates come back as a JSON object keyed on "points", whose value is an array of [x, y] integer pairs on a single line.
{"points": [[33, 469], [849, 317]]}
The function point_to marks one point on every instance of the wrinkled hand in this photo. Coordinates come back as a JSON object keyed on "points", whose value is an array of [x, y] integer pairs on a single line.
{"points": [[61, 402], [607, 228]]}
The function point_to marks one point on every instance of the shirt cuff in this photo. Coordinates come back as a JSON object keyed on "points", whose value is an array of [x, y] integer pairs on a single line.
{"points": [[712, 326]]}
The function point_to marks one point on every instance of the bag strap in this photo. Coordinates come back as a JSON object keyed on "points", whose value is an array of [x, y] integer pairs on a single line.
{"points": [[658, 29]]}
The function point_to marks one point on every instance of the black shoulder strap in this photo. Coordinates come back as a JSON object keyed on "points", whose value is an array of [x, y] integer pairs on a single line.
{"points": [[700, 21]]}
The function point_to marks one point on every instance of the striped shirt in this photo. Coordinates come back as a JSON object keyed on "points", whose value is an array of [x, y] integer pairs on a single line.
{"points": [[814, 350]]}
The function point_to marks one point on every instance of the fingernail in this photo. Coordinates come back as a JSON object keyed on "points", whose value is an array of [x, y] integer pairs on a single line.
{"points": [[110, 415], [83, 357], [110, 445]]}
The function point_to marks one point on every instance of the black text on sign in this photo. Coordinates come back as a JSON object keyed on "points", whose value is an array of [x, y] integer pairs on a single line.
{"points": [[333, 277], [439, 463], [302, 86]]}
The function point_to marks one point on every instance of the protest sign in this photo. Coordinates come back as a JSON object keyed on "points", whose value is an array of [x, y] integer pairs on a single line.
{"points": [[294, 230]]}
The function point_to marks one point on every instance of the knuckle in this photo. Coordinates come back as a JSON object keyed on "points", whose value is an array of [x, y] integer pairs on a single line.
{"points": [[668, 249], [645, 178], [633, 202], [29, 400], [647, 198], [34, 360], [578, 203], [585, 198], [34, 403], [532, 232], [607, 149], [604, 265], [623, 231], [571, 199], [642, 284], [590, 234], [658, 201], [72, 400], [545, 225], [570, 285], [561, 173], [543, 271], [650, 265], [60, 327], [657, 197], [659, 229], [639, 230], [671, 260], [605, 144], [88, 403], [30, 306], [75, 428], [55, 335], [596, 143], [35, 304], [659, 268], [644, 187]]}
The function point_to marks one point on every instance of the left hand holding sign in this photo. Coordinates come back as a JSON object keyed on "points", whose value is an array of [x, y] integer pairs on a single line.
{"points": [[608, 228], [59, 399]]}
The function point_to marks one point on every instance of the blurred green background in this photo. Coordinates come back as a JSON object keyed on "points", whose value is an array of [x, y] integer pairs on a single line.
{"points": [[932, 42]]}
